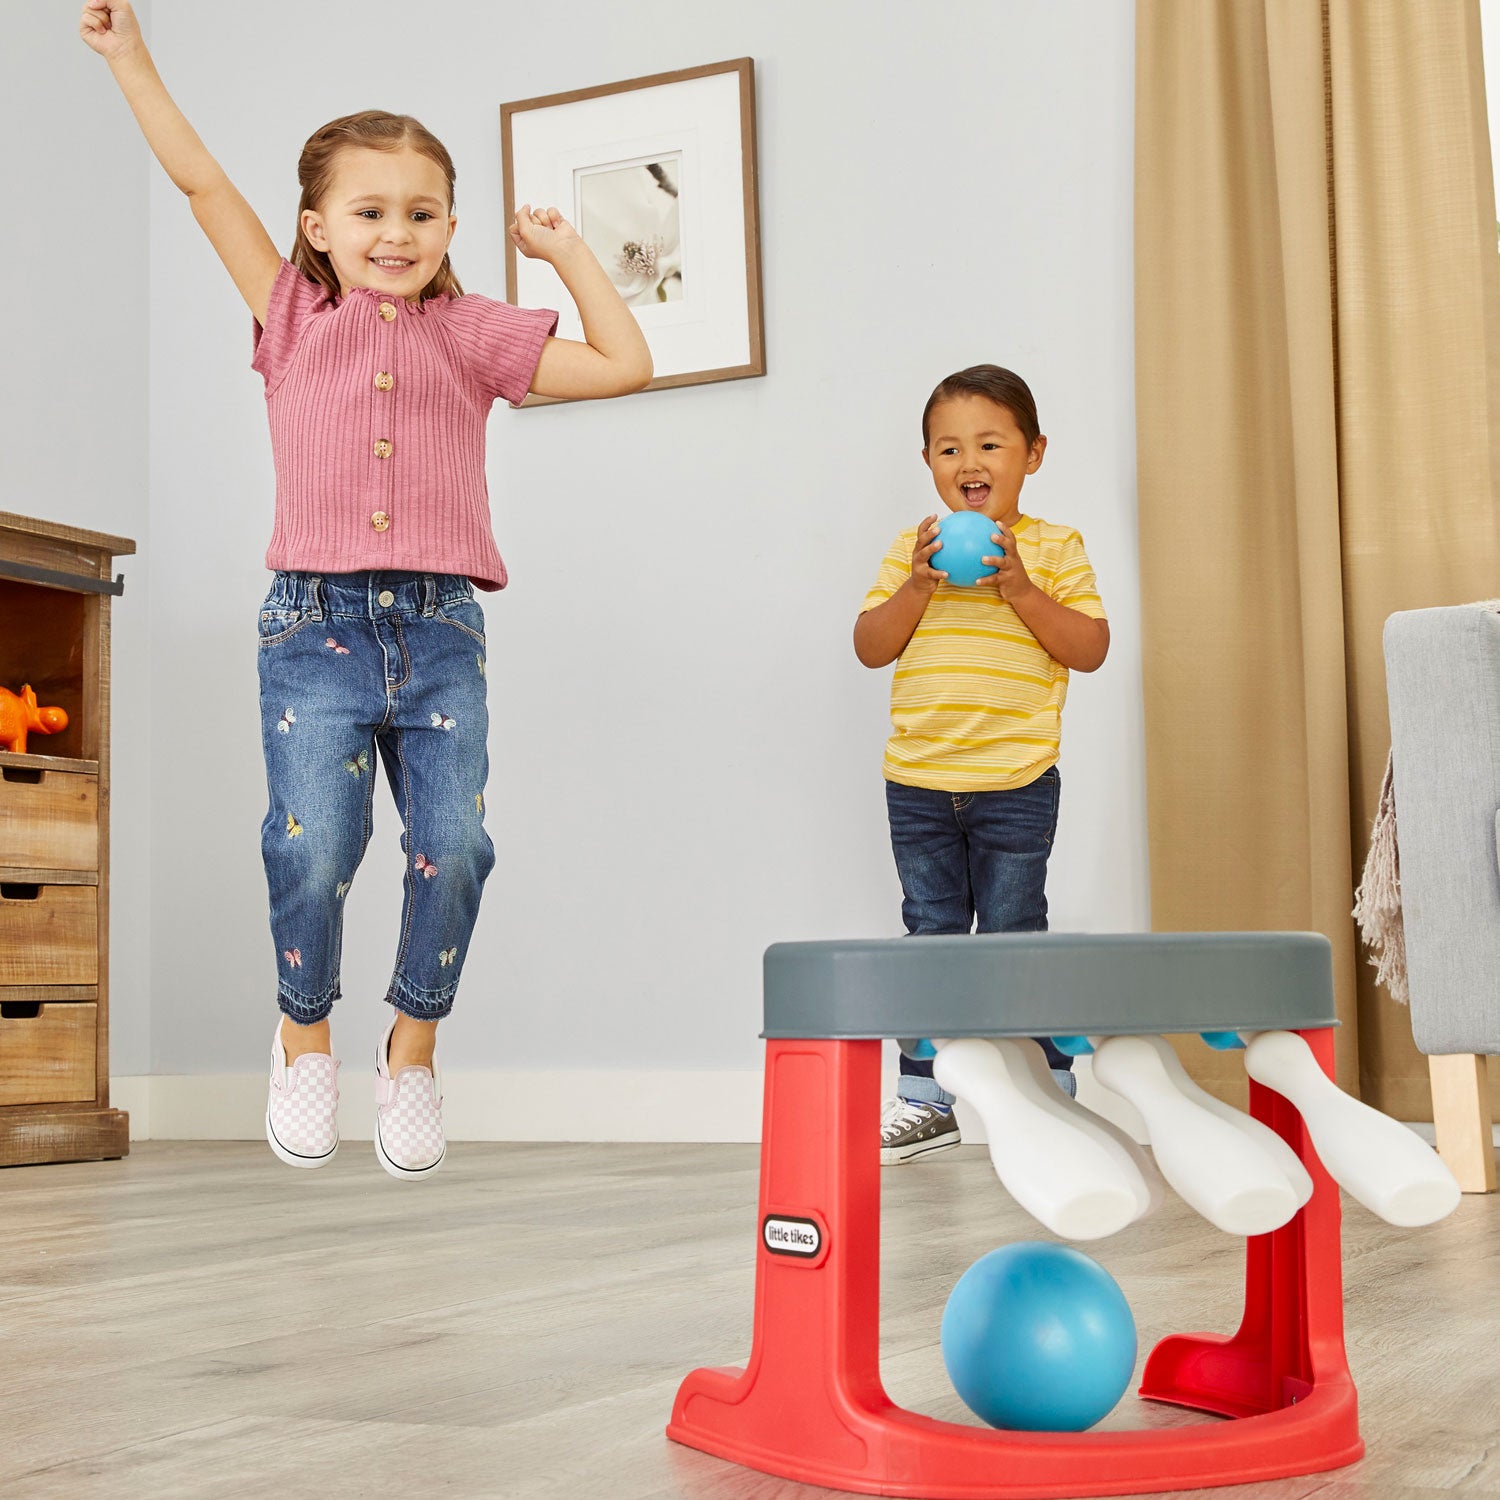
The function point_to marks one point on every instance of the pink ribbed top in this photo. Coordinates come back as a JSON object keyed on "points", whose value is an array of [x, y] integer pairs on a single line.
{"points": [[378, 412]]}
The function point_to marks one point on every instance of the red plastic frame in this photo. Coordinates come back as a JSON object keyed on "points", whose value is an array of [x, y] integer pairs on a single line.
{"points": [[810, 1405]]}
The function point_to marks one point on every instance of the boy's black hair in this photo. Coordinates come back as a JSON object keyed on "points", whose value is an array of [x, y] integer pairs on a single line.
{"points": [[1003, 387]]}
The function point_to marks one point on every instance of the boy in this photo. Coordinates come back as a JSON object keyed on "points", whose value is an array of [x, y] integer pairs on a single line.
{"points": [[976, 702]]}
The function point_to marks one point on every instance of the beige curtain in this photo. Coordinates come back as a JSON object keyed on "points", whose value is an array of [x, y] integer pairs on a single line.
{"points": [[1318, 404]]}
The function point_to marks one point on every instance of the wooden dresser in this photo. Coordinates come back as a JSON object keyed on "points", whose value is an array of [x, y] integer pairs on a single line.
{"points": [[55, 593]]}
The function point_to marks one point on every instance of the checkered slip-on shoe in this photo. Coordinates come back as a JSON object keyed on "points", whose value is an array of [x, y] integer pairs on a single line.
{"points": [[302, 1111], [408, 1115], [910, 1130]]}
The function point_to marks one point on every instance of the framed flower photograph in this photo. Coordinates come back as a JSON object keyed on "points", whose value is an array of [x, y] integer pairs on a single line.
{"points": [[658, 176]]}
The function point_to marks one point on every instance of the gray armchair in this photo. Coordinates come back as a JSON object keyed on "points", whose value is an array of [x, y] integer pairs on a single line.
{"points": [[1443, 683]]}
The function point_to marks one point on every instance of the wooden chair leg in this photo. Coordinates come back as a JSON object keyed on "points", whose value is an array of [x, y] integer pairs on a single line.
{"points": [[1461, 1117]]}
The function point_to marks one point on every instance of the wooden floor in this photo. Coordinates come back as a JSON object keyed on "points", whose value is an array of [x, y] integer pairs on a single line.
{"points": [[200, 1321]]}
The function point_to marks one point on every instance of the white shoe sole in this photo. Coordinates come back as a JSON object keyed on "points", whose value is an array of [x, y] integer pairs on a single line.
{"points": [[409, 1174], [291, 1158], [898, 1156]]}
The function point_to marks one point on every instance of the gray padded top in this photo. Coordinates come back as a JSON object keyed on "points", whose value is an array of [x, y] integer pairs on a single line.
{"points": [[1049, 984]]}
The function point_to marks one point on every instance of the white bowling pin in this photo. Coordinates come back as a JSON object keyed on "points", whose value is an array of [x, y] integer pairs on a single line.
{"points": [[1034, 1078], [1388, 1168], [1215, 1168], [1060, 1175], [1257, 1130]]}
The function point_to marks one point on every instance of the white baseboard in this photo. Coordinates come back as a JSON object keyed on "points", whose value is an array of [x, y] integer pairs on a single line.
{"points": [[603, 1106], [133, 1095], [491, 1106], [685, 1106]]}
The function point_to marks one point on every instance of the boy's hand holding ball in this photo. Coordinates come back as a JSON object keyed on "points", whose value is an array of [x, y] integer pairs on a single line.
{"points": [[924, 577], [1006, 574], [1010, 580]]}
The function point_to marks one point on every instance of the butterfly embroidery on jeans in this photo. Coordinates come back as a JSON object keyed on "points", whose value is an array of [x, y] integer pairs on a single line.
{"points": [[287, 719], [293, 956], [354, 764], [334, 646], [293, 827], [341, 890], [480, 661], [425, 865], [447, 956], [479, 803], [442, 721]]}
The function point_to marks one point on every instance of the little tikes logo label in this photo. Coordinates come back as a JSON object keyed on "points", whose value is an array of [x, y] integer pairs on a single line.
{"points": [[783, 1235]]}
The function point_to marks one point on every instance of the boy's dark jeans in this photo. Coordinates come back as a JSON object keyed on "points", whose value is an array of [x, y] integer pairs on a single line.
{"points": [[972, 861]]}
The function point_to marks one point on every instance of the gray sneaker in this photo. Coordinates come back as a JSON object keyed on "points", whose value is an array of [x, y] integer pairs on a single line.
{"points": [[910, 1130]]}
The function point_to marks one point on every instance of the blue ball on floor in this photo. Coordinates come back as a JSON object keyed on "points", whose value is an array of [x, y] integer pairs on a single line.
{"points": [[966, 537], [1038, 1338]]}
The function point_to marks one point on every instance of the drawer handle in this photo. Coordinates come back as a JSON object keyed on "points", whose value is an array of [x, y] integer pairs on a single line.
{"points": [[20, 1010], [16, 890], [21, 773]]}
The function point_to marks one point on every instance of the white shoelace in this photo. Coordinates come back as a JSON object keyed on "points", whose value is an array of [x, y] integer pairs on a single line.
{"points": [[899, 1114]]}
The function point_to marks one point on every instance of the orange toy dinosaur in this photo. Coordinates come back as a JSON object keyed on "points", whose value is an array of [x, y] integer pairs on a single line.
{"points": [[20, 716]]}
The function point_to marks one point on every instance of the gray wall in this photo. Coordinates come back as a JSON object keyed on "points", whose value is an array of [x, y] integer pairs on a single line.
{"points": [[73, 398], [686, 754]]}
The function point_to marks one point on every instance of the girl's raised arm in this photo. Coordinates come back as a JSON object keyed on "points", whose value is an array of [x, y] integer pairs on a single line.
{"points": [[111, 29], [615, 358]]}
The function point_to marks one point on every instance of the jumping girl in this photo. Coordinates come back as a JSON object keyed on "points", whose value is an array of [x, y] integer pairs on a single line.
{"points": [[380, 373]]}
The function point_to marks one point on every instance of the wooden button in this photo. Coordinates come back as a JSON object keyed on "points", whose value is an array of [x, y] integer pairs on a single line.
{"points": [[384, 381], [382, 448], [380, 521], [387, 310]]}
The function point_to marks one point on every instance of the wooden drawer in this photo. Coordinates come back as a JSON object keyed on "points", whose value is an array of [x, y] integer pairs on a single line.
{"points": [[47, 1053], [49, 820], [48, 934]]}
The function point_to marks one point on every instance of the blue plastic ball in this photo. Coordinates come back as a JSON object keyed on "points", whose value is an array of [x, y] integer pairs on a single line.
{"points": [[966, 537], [1038, 1338]]}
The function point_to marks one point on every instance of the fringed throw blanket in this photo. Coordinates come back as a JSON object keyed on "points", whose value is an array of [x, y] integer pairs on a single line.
{"points": [[1377, 902]]}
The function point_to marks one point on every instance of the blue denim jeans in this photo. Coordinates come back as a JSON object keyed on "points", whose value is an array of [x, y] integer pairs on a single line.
{"points": [[972, 861], [353, 665]]}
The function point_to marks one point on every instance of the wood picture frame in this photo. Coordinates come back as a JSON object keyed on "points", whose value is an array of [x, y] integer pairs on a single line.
{"points": [[659, 176]]}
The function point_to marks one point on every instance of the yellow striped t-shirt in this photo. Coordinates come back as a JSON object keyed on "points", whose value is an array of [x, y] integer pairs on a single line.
{"points": [[976, 702]]}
